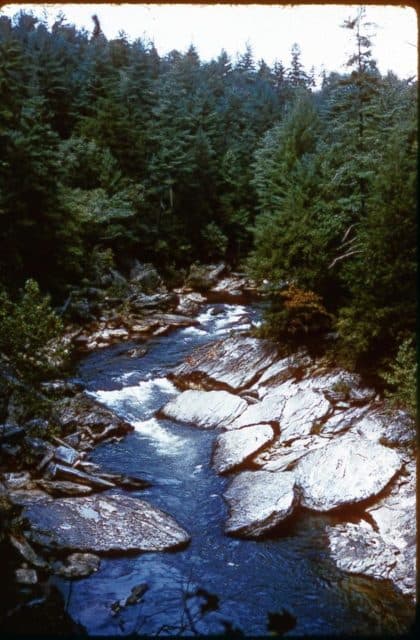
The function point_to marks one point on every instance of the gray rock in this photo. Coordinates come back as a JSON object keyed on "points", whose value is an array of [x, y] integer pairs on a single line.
{"points": [[203, 276], [206, 409], [189, 303], [17, 480], [75, 476], [283, 457], [73, 439], [348, 470], [342, 421], [232, 364], [64, 488], [82, 412], [235, 447], [296, 406], [155, 301], [26, 551], [37, 447], [77, 565], [259, 501], [26, 576], [102, 524], [68, 455]]}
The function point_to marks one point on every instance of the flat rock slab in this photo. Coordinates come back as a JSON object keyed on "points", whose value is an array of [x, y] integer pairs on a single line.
{"points": [[259, 501], [235, 447], [102, 524], [232, 364], [205, 409], [281, 457], [348, 470]]}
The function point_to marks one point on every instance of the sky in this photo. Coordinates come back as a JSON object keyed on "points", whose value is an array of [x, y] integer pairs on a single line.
{"points": [[270, 30]]}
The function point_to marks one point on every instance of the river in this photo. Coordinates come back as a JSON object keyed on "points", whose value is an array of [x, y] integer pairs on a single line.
{"points": [[218, 584]]}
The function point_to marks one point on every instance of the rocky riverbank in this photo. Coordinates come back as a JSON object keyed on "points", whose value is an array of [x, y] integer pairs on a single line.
{"points": [[295, 433]]}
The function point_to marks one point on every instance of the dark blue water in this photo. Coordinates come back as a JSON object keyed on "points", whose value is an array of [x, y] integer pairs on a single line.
{"points": [[249, 579]]}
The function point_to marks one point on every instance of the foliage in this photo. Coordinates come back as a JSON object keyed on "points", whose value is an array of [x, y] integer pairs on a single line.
{"points": [[402, 378], [29, 333], [297, 316]]}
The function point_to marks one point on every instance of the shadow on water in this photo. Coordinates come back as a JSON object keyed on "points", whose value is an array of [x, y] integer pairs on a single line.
{"points": [[284, 583]]}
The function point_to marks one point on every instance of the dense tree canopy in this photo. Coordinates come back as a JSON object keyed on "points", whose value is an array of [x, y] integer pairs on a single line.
{"points": [[107, 147]]}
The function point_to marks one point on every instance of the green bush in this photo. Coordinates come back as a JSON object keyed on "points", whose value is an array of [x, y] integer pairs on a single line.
{"points": [[402, 378], [30, 332]]}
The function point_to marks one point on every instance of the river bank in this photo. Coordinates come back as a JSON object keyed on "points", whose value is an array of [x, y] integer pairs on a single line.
{"points": [[273, 398]]}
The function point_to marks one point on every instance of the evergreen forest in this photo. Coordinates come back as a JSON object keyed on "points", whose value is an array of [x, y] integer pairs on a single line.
{"points": [[110, 152]]}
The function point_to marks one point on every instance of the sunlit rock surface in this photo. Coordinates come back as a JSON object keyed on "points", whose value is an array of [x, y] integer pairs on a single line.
{"points": [[102, 524], [232, 364], [259, 501], [235, 447], [348, 470], [282, 457], [206, 409]]}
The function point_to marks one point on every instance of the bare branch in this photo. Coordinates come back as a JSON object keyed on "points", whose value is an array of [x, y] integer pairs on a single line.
{"points": [[343, 256]]}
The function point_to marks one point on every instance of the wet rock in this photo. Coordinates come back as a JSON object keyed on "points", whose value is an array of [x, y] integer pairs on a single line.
{"points": [[136, 594], [102, 524], [348, 470], [26, 576], [259, 501], [232, 364], [27, 552], [127, 482], [190, 303], [79, 477], [64, 488], [66, 455], [235, 447], [206, 409], [77, 565], [137, 352], [82, 412]]}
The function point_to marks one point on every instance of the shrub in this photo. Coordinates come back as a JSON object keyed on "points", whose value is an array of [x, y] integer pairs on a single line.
{"points": [[402, 378], [29, 333], [297, 315]]}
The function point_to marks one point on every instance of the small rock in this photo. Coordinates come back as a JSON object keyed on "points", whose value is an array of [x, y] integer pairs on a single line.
{"points": [[18, 480], [26, 576], [64, 488], [66, 455], [26, 551], [77, 565]]}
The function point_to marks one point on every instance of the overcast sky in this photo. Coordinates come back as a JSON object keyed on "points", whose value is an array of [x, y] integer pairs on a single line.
{"points": [[270, 30]]}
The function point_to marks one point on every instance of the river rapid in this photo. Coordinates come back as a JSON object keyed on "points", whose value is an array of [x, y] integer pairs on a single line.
{"points": [[217, 584]]}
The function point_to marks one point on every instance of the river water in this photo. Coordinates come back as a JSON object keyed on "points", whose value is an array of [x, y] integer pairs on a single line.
{"points": [[218, 584]]}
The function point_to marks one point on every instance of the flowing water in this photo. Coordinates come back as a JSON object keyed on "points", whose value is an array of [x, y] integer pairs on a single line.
{"points": [[218, 584]]}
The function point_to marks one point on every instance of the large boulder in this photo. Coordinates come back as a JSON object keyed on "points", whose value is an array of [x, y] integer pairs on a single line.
{"points": [[203, 276], [345, 471], [232, 364], [259, 501], [102, 524], [206, 409], [296, 406], [236, 447]]}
